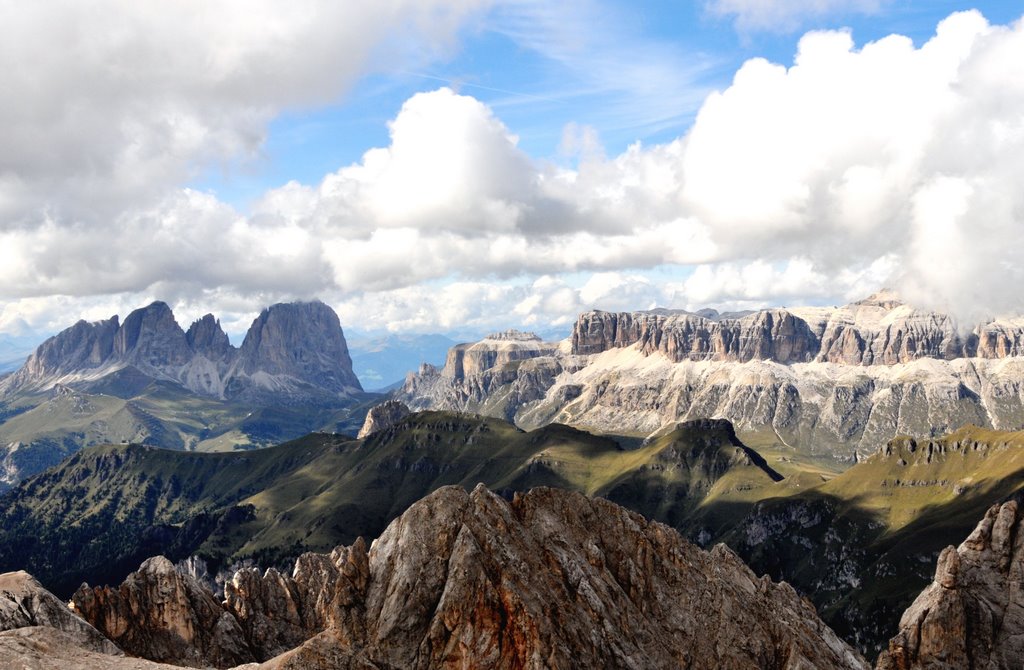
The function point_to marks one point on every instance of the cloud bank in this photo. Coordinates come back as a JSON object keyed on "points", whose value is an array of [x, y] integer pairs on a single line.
{"points": [[854, 168]]}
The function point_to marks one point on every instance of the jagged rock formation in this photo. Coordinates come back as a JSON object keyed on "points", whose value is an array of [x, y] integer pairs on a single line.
{"points": [[972, 615], [25, 603], [206, 337], [292, 351], [834, 380], [162, 615], [384, 415], [554, 579], [550, 579]]}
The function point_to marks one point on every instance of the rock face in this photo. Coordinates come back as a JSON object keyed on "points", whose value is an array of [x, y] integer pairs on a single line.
{"points": [[25, 603], [877, 331], [292, 352], [554, 579], [206, 337], [839, 380], [164, 616], [494, 351], [550, 579], [972, 615], [296, 341], [382, 416]]}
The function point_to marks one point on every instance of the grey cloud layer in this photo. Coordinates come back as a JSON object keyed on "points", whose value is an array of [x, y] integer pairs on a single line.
{"points": [[850, 169]]}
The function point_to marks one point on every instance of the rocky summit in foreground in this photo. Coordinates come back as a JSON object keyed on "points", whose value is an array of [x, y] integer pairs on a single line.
{"points": [[551, 579], [972, 615]]}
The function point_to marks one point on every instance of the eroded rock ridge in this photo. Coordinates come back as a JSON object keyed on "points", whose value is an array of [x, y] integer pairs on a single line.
{"points": [[549, 579]]}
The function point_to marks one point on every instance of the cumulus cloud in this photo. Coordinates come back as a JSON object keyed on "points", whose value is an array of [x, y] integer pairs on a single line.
{"points": [[854, 168], [787, 15], [108, 102]]}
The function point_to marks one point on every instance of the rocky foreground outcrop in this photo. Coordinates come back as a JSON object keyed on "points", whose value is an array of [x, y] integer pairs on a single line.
{"points": [[551, 579], [972, 615], [25, 603], [162, 615]]}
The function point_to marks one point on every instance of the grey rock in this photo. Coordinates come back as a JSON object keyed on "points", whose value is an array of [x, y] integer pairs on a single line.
{"points": [[972, 615], [293, 344], [554, 579], [382, 416], [206, 337], [25, 603]]}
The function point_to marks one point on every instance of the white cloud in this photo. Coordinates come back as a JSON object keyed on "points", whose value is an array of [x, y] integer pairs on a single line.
{"points": [[851, 169], [787, 15], [112, 101]]}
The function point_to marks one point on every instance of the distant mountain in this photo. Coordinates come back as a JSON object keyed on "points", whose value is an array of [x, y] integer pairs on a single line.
{"points": [[293, 352], [832, 381], [384, 361], [147, 380]]}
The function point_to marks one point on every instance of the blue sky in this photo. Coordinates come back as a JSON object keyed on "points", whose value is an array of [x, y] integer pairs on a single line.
{"points": [[536, 94], [462, 166]]}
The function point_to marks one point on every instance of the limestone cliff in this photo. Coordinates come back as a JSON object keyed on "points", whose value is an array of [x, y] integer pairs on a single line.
{"points": [[838, 381]]}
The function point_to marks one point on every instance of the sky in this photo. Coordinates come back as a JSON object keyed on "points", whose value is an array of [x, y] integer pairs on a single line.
{"points": [[466, 166]]}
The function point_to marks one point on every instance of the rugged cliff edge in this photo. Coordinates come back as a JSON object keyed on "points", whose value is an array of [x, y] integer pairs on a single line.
{"points": [[972, 615], [549, 579]]}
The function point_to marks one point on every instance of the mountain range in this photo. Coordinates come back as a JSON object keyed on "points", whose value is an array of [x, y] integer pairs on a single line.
{"points": [[830, 381], [148, 380]]}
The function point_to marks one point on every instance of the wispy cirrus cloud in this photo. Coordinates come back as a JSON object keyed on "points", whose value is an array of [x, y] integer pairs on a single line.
{"points": [[788, 15]]}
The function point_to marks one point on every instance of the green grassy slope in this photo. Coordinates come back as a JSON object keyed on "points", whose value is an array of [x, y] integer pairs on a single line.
{"points": [[36, 432], [322, 490], [864, 543]]}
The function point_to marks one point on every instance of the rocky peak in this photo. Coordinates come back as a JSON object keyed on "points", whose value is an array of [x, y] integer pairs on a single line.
{"points": [[548, 579], [24, 603], [162, 615], [84, 345], [301, 340], [886, 299], [556, 579], [972, 614], [206, 337], [382, 416], [513, 335], [151, 338]]}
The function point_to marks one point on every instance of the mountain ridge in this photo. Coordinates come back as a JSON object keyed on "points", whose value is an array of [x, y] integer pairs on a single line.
{"points": [[298, 347], [836, 381]]}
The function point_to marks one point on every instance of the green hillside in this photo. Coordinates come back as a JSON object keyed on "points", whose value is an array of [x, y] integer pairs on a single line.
{"points": [[36, 432], [864, 542], [102, 510]]}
